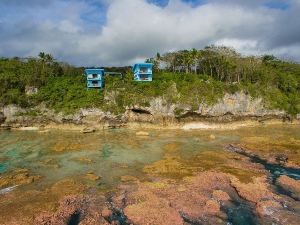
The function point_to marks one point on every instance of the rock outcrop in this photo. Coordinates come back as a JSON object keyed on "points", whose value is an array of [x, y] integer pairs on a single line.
{"points": [[234, 107], [231, 107]]}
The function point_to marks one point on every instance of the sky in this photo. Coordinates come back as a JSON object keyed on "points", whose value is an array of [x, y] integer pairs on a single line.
{"points": [[122, 32]]}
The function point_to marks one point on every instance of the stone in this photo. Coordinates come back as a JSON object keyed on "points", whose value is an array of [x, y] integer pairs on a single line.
{"points": [[220, 195], [142, 133], [91, 176], [30, 90], [88, 130]]}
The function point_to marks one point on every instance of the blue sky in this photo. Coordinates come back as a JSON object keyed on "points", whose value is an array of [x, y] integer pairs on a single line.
{"points": [[120, 32]]}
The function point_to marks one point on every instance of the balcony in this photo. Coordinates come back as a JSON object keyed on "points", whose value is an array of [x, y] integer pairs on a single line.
{"points": [[94, 77]]}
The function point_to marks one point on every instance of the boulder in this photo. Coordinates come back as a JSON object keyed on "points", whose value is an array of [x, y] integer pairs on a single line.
{"points": [[30, 90]]}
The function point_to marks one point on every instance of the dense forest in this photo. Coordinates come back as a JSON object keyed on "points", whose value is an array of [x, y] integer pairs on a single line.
{"points": [[183, 77]]}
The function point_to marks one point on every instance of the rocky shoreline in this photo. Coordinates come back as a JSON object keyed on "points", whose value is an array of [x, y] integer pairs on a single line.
{"points": [[230, 112]]}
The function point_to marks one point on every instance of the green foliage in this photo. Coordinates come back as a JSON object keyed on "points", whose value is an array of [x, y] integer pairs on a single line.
{"points": [[68, 94], [191, 77]]}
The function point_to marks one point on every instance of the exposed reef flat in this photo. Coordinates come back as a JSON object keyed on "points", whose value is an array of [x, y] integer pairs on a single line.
{"points": [[242, 176]]}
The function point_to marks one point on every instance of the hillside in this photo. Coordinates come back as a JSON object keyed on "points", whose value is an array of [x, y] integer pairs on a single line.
{"points": [[186, 82]]}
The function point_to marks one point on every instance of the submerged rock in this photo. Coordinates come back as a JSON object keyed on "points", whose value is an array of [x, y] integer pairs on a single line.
{"points": [[91, 176], [18, 177], [142, 133], [128, 178], [66, 146], [84, 159], [168, 165], [212, 137]]}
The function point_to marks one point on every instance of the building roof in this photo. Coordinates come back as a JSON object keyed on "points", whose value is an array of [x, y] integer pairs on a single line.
{"points": [[91, 71], [142, 65]]}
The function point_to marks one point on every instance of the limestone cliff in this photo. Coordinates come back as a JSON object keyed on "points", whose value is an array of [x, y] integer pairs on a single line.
{"points": [[232, 107]]}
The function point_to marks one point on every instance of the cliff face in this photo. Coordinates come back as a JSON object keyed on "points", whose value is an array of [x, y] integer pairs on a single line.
{"points": [[231, 107], [238, 104]]}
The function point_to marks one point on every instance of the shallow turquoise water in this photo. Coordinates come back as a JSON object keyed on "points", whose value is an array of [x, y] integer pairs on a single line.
{"points": [[113, 153], [55, 155]]}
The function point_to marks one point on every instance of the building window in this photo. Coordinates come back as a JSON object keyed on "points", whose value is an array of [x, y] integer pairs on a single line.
{"points": [[95, 76], [95, 83], [144, 77], [143, 69]]}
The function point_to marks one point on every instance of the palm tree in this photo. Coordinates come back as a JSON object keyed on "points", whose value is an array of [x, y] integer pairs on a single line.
{"points": [[49, 58], [158, 59], [194, 57], [42, 56]]}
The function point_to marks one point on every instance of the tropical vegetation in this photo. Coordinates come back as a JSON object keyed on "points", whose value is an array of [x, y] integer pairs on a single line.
{"points": [[188, 77]]}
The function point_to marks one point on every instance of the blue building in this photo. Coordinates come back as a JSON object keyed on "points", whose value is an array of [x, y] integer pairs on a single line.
{"points": [[142, 71], [95, 78]]}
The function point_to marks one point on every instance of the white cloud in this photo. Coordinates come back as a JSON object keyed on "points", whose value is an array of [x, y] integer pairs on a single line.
{"points": [[136, 29]]}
